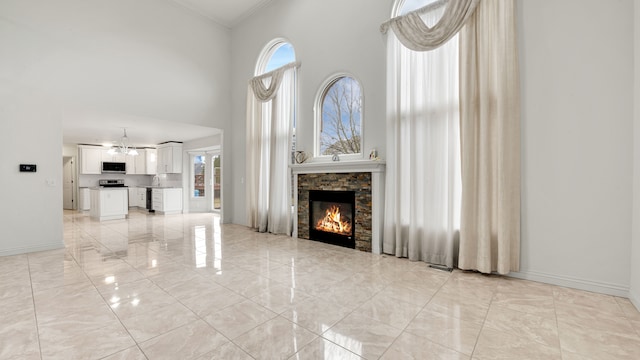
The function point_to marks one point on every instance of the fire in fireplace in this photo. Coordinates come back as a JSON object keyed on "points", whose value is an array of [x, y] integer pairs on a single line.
{"points": [[332, 217]]}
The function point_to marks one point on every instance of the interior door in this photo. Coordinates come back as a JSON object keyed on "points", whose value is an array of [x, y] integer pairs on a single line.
{"points": [[68, 170]]}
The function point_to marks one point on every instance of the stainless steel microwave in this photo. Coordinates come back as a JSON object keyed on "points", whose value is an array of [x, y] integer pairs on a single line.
{"points": [[114, 167]]}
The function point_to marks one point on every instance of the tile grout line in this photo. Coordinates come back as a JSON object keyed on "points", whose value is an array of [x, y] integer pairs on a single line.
{"points": [[33, 300]]}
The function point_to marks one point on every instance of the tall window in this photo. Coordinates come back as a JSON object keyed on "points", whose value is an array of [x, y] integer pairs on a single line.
{"points": [[339, 117], [423, 183], [277, 53], [199, 165]]}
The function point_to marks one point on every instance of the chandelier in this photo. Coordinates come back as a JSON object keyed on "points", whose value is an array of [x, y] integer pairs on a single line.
{"points": [[123, 147]]}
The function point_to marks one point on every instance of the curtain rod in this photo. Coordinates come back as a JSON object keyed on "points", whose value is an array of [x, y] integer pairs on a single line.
{"points": [[423, 10], [295, 64]]}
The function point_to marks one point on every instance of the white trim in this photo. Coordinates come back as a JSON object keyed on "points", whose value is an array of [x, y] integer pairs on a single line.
{"points": [[268, 51], [31, 249], [317, 115], [376, 168], [634, 298], [573, 282]]}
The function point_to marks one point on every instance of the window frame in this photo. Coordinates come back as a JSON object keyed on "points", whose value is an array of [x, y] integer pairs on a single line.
{"points": [[317, 109], [267, 53], [192, 180]]}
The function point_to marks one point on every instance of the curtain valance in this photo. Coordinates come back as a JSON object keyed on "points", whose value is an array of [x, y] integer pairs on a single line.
{"points": [[267, 92], [413, 33]]}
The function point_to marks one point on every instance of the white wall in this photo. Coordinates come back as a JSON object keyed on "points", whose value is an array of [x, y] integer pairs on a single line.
{"points": [[143, 58], [31, 211], [634, 292], [577, 142], [328, 36], [577, 111]]}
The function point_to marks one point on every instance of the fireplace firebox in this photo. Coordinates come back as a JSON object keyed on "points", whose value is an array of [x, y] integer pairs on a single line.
{"points": [[332, 217]]}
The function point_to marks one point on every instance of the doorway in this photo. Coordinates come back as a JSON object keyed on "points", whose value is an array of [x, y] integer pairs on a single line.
{"points": [[68, 188]]}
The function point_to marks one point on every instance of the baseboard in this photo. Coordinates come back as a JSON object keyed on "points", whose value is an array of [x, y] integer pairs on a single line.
{"points": [[30, 249], [575, 283], [635, 299]]}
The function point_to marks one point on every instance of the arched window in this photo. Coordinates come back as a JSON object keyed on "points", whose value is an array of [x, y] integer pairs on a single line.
{"points": [[402, 7], [275, 54], [339, 117]]}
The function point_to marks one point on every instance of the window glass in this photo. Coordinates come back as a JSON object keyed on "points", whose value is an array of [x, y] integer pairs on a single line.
{"points": [[275, 54], [199, 162], [341, 118], [410, 5], [282, 55]]}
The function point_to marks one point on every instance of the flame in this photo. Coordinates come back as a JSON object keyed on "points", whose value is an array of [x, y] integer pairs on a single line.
{"points": [[334, 222]]}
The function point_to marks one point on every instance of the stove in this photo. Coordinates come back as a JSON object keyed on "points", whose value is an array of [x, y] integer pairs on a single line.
{"points": [[111, 183]]}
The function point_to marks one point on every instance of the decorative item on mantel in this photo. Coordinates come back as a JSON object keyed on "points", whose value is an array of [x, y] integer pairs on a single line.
{"points": [[301, 157], [335, 157], [373, 155]]}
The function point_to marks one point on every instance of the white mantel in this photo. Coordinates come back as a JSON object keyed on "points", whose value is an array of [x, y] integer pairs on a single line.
{"points": [[372, 166], [377, 170]]}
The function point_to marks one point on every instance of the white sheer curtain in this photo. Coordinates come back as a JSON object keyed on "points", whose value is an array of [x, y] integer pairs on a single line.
{"points": [[270, 107], [423, 186]]}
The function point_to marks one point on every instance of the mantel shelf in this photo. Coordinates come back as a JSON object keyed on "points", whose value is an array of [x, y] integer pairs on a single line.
{"points": [[348, 166]]}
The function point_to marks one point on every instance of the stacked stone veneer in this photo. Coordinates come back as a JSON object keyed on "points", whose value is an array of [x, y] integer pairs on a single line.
{"points": [[359, 182]]}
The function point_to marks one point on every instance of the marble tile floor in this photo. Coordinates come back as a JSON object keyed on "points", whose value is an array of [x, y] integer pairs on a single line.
{"points": [[186, 287]]}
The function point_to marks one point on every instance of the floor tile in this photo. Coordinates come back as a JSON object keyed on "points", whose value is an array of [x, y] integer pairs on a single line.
{"points": [[186, 342], [237, 319], [226, 352], [451, 332], [409, 346], [147, 325], [323, 349], [362, 335], [316, 314], [57, 343], [501, 345], [278, 338], [19, 335], [187, 287]]}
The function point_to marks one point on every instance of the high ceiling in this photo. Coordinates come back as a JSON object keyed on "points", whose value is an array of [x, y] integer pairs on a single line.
{"points": [[225, 12], [82, 126]]}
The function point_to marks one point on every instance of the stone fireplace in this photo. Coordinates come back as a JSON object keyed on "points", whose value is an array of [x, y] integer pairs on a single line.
{"points": [[336, 196]]}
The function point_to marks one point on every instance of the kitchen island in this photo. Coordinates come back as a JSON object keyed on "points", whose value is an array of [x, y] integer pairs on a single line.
{"points": [[109, 203]]}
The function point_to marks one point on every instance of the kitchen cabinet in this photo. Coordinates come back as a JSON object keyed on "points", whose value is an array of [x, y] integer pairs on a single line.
{"points": [[109, 203], [133, 196], [112, 157], [85, 199], [141, 197], [170, 158], [144, 163], [90, 160], [130, 160], [138, 197], [167, 200], [151, 161]]}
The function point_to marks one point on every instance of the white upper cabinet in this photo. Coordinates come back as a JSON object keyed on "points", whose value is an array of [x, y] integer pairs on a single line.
{"points": [[90, 160], [112, 158], [145, 162], [170, 158], [151, 160], [131, 161]]}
